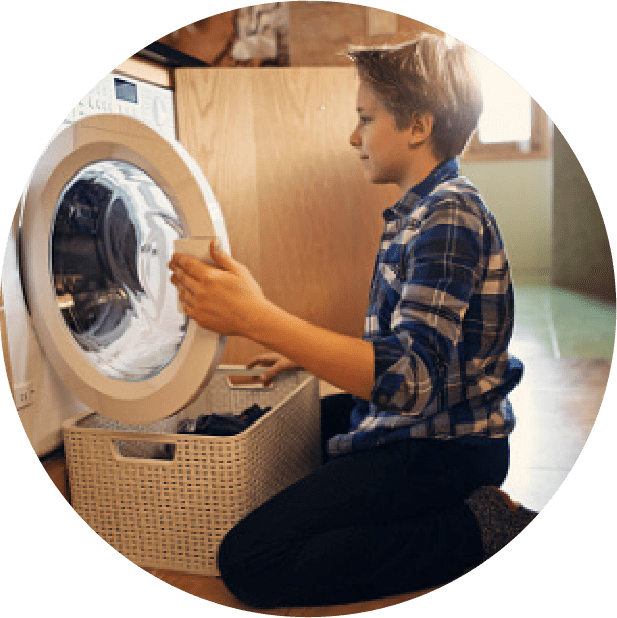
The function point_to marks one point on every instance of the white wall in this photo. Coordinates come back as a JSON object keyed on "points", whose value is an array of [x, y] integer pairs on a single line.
{"points": [[519, 194]]}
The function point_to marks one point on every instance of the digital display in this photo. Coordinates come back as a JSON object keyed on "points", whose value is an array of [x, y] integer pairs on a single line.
{"points": [[125, 91]]}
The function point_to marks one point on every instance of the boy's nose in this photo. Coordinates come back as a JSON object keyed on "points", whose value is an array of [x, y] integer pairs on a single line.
{"points": [[354, 138]]}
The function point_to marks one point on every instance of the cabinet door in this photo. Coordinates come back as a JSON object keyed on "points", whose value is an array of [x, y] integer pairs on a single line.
{"points": [[274, 146]]}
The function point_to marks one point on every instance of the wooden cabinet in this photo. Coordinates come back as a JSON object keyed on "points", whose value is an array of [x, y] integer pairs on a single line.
{"points": [[274, 145]]}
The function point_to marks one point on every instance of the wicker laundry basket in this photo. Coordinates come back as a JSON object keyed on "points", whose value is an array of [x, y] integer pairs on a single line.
{"points": [[166, 500]]}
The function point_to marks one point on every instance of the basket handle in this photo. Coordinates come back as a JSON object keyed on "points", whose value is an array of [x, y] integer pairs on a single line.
{"points": [[246, 381], [167, 450]]}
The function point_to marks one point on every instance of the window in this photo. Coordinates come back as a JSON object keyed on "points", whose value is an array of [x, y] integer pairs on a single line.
{"points": [[507, 107], [512, 125]]}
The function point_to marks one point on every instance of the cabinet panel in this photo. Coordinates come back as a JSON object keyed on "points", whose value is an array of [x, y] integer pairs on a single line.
{"points": [[274, 145], [214, 110]]}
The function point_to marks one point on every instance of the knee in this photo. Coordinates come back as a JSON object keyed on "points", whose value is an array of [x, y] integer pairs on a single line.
{"points": [[238, 571], [230, 568], [229, 558]]}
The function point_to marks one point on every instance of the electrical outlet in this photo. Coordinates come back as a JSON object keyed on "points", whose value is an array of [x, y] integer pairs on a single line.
{"points": [[24, 395]]}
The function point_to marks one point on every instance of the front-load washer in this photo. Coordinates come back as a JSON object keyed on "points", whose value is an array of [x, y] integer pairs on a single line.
{"points": [[98, 220]]}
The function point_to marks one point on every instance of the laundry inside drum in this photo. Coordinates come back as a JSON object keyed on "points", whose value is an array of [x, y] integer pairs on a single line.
{"points": [[111, 240]]}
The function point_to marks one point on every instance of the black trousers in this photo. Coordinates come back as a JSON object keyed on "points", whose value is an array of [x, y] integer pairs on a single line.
{"points": [[373, 523]]}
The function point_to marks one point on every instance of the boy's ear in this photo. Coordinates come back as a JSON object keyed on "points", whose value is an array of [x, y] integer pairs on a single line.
{"points": [[420, 129]]}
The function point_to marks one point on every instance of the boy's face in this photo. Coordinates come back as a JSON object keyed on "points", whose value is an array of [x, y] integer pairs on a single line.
{"points": [[384, 150]]}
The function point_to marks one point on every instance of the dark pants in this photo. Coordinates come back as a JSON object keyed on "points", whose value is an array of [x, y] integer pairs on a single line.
{"points": [[373, 523]]}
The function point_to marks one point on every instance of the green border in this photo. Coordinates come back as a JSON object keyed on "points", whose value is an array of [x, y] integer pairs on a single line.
{"points": [[558, 52]]}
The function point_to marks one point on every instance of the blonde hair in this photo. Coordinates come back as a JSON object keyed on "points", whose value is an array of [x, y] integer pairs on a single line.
{"points": [[426, 75]]}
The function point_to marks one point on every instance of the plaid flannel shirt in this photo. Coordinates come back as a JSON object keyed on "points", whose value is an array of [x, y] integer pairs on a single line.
{"points": [[440, 317]]}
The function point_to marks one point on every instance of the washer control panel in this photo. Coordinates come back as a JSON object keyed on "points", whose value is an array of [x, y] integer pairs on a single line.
{"points": [[120, 94]]}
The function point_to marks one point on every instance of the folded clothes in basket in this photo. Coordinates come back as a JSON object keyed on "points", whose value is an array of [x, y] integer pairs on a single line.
{"points": [[222, 424]]}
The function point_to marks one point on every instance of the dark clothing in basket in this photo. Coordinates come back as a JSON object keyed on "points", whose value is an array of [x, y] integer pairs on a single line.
{"points": [[222, 424]]}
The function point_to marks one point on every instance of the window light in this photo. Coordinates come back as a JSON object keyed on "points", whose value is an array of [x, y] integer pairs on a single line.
{"points": [[507, 106]]}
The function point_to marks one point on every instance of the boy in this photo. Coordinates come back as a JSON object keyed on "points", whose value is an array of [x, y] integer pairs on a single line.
{"points": [[403, 502]]}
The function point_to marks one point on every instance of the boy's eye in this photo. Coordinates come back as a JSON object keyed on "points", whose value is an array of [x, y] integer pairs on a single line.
{"points": [[365, 119]]}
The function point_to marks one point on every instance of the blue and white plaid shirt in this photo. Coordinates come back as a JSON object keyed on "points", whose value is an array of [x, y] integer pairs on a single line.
{"points": [[440, 317]]}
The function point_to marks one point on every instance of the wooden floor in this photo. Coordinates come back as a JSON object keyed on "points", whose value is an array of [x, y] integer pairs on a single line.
{"points": [[556, 406], [213, 589]]}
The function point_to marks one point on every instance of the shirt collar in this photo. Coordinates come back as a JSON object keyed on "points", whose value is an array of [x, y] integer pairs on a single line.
{"points": [[444, 171]]}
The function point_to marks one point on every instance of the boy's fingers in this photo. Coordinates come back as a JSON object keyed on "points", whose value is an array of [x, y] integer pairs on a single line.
{"points": [[223, 260], [184, 281], [188, 264], [268, 377], [265, 360], [198, 269]]}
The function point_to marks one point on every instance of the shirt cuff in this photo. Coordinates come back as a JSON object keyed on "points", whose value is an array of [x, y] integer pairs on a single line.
{"points": [[388, 382]]}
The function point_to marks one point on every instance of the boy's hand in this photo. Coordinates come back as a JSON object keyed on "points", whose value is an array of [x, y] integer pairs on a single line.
{"points": [[277, 364], [223, 298]]}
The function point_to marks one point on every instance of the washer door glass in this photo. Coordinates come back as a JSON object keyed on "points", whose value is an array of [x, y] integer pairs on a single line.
{"points": [[111, 240]]}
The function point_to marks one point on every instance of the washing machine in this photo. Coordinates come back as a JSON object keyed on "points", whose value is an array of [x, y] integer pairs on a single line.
{"points": [[92, 320]]}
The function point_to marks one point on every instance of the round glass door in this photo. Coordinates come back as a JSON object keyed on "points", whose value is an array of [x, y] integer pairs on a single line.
{"points": [[111, 240], [100, 215]]}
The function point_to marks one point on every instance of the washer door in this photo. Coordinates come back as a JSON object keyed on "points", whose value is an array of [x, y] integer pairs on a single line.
{"points": [[99, 217]]}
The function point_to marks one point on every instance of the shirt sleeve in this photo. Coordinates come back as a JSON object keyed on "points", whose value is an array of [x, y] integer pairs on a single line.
{"points": [[429, 291]]}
